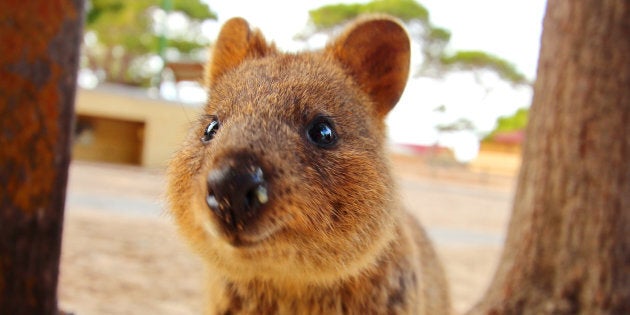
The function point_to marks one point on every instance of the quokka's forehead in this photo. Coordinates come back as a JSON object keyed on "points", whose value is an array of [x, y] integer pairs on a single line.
{"points": [[293, 85], [288, 71]]}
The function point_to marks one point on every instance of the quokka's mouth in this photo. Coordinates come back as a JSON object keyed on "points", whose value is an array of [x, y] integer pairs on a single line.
{"points": [[252, 236], [262, 230]]}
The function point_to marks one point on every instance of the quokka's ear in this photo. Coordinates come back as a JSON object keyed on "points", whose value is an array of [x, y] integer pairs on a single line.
{"points": [[375, 52], [236, 42]]}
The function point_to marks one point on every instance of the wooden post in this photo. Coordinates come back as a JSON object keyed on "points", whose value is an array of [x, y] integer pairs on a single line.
{"points": [[39, 52]]}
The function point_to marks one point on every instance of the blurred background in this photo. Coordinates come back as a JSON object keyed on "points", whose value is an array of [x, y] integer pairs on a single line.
{"points": [[473, 65], [455, 136]]}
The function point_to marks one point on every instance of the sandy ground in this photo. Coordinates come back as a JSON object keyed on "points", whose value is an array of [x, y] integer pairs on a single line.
{"points": [[122, 255]]}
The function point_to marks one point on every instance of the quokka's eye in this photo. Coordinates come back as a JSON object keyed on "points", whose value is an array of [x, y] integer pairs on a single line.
{"points": [[211, 130], [321, 132]]}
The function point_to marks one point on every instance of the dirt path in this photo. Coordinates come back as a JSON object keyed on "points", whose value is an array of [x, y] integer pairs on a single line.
{"points": [[121, 254]]}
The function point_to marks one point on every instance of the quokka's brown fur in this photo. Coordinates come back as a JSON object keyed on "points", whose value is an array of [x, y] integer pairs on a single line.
{"points": [[283, 186]]}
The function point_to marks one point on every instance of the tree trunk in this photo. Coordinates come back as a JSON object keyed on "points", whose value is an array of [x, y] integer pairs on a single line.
{"points": [[568, 245], [39, 43]]}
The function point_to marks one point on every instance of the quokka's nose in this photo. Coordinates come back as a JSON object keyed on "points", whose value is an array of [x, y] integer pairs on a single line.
{"points": [[236, 195]]}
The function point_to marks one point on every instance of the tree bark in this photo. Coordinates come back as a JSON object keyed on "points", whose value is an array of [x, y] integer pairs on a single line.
{"points": [[39, 43], [568, 245]]}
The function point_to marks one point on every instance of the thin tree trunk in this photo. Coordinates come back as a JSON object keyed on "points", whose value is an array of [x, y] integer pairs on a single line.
{"points": [[568, 245], [39, 43]]}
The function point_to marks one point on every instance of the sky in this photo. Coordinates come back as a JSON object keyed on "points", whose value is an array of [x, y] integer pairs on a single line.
{"points": [[510, 29]]}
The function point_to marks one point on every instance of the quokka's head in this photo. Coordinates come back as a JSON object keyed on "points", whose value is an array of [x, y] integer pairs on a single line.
{"points": [[284, 176]]}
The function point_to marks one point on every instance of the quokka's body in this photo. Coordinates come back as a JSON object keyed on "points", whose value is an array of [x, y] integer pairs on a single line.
{"points": [[283, 186]]}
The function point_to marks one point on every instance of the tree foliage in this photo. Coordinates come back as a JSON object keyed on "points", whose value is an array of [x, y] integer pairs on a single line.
{"points": [[433, 40], [515, 122], [518, 121], [329, 16], [127, 32], [475, 60]]}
